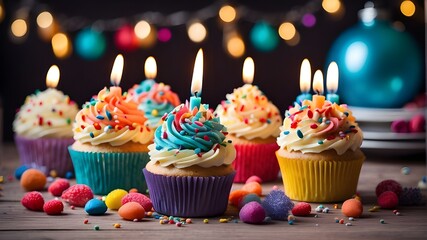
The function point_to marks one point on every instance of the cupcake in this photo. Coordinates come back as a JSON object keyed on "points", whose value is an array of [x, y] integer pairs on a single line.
{"points": [[253, 125], [43, 131], [111, 139], [155, 99], [190, 173], [319, 156]]}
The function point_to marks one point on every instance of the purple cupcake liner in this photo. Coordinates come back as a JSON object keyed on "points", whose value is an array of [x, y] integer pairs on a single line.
{"points": [[45, 154], [189, 196]]}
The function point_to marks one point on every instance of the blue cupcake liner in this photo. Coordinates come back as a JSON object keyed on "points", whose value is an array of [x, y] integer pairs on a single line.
{"points": [[104, 172], [189, 196]]}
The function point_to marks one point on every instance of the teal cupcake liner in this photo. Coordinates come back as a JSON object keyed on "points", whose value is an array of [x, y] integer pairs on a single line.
{"points": [[104, 172]]}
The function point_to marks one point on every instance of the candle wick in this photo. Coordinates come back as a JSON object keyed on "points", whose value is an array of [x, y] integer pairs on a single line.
{"points": [[195, 93]]}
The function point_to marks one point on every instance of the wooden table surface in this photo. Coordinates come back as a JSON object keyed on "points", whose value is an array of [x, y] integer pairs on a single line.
{"points": [[18, 223]]}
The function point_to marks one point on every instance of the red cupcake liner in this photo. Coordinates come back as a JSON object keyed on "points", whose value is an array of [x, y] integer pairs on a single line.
{"points": [[45, 154], [189, 196], [256, 159]]}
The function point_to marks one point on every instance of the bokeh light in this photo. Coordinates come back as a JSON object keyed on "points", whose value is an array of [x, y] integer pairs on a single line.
{"points": [[235, 46], [142, 29], [61, 45], [196, 32], [331, 6], [164, 35], [287, 31], [44, 20], [19, 28], [407, 8], [227, 13], [308, 20]]}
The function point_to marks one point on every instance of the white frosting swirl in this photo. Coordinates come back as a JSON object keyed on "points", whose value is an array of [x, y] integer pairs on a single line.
{"points": [[220, 155], [46, 114], [248, 113]]}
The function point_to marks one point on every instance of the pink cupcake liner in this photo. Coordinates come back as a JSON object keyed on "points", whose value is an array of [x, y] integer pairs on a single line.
{"points": [[45, 154], [189, 196], [256, 159]]}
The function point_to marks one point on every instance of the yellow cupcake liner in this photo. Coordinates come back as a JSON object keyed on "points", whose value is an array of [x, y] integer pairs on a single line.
{"points": [[319, 180]]}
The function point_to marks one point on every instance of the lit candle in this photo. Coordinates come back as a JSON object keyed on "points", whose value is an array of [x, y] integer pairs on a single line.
{"points": [[52, 77], [248, 70], [116, 75], [318, 99], [196, 82], [332, 83], [150, 68], [304, 82]]}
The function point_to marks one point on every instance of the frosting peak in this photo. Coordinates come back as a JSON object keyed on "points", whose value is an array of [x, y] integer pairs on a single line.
{"points": [[248, 113], [110, 118], [46, 114], [155, 99], [189, 138], [308, 128]]}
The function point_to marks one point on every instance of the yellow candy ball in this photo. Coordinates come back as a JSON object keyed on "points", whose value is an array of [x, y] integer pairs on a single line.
{"points": [[114, 199]]}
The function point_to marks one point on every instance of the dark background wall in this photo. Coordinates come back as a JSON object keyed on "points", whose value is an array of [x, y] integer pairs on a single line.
{"points": [[24, 66]]}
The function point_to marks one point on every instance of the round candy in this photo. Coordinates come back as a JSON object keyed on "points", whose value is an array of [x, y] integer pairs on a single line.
{"points": [[252, 212], [417, 124], [399, 126], [114, 199], [33, 180], [19, 171], [139, 198], [254, 179], [253, 187], [236, 197], [388, 199], [132, 210], [277, 205], [95, 207], [249, 198], [388, 185], [352, 208], [301, 209], [406, 170]]}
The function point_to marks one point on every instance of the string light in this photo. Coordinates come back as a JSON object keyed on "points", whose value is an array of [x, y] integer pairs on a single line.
{"points": [[227, 13], [407, 8], [196, 32], [61, 45], [287, 31], [142, 29], [331, 6]]}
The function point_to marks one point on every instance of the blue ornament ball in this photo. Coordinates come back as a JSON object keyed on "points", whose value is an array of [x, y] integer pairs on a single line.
{"points": [[90, 44], [19, 171], [379, 66], [264, 37]]}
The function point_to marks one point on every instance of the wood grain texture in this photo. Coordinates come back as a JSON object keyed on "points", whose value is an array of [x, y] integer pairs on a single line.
{"points": [[18, 223]]}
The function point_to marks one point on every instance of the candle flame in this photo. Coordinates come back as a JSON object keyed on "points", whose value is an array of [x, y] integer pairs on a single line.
{"points": [[332, 77], [248, 70], [196, 82], [117, 71], [318, 82], [52, 77], [150, 68], [305, 76]]}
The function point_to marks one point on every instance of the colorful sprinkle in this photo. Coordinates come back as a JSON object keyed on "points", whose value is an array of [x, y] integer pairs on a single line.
{"points": [[117, 225], [86, 221], [382, 221], [223, 220], [100, 117], [108, 114], [206, 220], [313, 126], [286, 132], [91, 135], [310, 114], [96, 227], [97, 126], [299, 133], [68, 121]]}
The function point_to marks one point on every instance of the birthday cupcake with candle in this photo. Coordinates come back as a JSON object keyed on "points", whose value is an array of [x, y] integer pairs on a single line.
{"points": [[190, 173], [155, 99], [111, 140], [319, 156], [43, 128], [253, 125]]}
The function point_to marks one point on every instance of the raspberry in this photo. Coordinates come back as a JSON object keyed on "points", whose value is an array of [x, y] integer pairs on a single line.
{"points": [[388, 199], [388, 185], [301, 209], [53, 207], [58, 186], [78, 195], [33, 201], [139, 198]]}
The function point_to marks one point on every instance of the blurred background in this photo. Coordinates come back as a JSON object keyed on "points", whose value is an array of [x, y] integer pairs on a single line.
{"points": [[381, 59]]}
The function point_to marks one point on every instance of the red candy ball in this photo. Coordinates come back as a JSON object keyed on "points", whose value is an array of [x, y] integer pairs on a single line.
{"points": [[388, 185], [388, 200], [301, 209]]}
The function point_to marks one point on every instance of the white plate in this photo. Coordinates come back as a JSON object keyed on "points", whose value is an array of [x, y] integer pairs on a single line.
{"points": [[407, 146], [393, 136], [384, 114]]}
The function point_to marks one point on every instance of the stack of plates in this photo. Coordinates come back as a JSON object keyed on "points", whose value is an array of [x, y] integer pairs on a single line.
{"points": [[376, 126]]}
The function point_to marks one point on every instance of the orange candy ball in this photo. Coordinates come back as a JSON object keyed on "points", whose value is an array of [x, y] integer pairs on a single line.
{"points": [[33, 180], [236, 196], [253, 187], [352, 208], [131, 211]]}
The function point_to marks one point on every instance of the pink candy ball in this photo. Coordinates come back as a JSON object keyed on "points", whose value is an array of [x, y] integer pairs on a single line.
{"points": [[252, 212]]}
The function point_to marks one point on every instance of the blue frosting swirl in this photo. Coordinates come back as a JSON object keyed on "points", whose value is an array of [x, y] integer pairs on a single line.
{"points": [[185, 129]]}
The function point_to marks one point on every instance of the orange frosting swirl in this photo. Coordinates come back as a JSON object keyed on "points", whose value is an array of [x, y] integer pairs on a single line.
{"points": [[110, 118]]}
